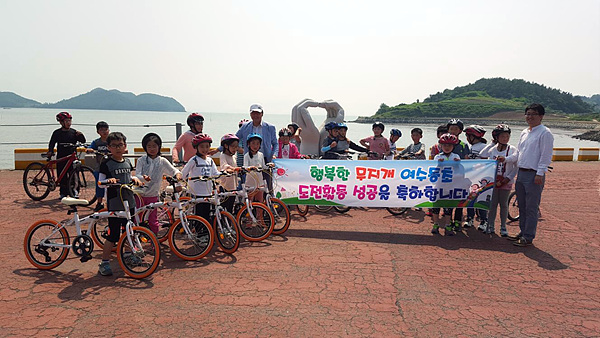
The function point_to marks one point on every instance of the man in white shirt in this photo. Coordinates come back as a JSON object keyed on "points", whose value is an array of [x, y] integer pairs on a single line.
{"points": [[534, 157]]}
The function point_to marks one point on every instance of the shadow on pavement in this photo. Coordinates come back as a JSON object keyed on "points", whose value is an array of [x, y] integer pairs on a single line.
{"points": [[470, 240]]}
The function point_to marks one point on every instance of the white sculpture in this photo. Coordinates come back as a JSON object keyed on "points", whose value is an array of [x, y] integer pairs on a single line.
{"points": [[312, 137]]}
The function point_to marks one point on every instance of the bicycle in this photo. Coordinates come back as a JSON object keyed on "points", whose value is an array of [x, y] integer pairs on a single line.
{"points": [[39, 179], [279, 209], [138, 253]]}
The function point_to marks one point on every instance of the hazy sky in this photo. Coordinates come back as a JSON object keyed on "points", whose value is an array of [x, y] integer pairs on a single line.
{"points": [[221, 56]]}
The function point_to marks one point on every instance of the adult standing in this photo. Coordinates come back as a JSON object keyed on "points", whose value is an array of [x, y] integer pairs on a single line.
{"points": [[534, 157], [196, 123]]}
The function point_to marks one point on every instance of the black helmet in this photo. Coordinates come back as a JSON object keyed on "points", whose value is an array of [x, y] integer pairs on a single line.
{"points": [[501, 128], [378, 124], [151, 137], [193, 118], [455, 122]]}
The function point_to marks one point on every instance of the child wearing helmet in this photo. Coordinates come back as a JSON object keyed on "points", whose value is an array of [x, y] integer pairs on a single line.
{"points": [[344, 143], [506, 156], [395, 135], [254, 159], [295, 129], [230, 146], [196, 123], [150, 168], [62, 138], [201, 165], [416, 150], [378, 145], [329, 147], [286, 148], [437, 148], [475, 138], [100, 146], [455, 127], [447, 143]]}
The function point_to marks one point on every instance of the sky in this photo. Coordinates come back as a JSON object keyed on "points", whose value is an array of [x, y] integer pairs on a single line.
{"points": [[222, 56]]}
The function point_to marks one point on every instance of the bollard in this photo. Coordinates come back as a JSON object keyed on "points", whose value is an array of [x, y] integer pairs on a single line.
{"points": [[588, 154], [563, 154]]}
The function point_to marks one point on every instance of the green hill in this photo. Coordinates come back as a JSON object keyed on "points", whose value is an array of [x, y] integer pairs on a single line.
{"points": [[12, 100], [99, 99], [486, 97]]}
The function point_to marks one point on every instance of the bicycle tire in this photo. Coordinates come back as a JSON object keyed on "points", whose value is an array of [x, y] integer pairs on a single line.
{"points": [[323, 208], [229, 241], [147, 257], [82, 184], [165, 218], [36, 181], [281, 215], [396, 211], [191, 249], [255, 232], [33, 240], [302, 209], [342, 209], [513, 207], [97, 229]]}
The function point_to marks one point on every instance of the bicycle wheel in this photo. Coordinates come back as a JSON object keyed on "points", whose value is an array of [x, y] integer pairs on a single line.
{"points": [[228, 234], [342, 209], [281, 214], [98, 230], [36, 181], [397, 211], [513, 207], [38, 253], [323, 208], [82, 184], [166, 219], [195, 245], [263, 227], [302, 209], [141, 260]]}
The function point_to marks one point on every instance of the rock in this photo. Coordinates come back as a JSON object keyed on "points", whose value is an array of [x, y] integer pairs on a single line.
{"points": [[592, 135]]}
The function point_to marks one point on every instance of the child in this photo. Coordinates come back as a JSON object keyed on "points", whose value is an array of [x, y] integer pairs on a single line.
{"points": [[116, 169], [61, 137], [437, 148], [395, 135], [295, 130], [230, 144], [151, 167], [329, 147], [416, 150], [504, 154], [447, 143], [343, 143], [377, 144], [475, 138], [201, 165], [455, 127], [100, 146], [196, 123], [286, 148], [254, 159]]}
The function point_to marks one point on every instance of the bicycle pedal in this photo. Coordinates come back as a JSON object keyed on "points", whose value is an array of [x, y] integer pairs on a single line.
{"points": [[84, 259]]}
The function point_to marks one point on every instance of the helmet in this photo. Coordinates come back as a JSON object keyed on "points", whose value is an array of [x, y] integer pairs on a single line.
{"points": [[501, 128], [63, 116], [455, 122], [475, 130], [448, 139], [343, 125], [285, 132], [331, 125], [378, 124], [295, 125], [149, 137], [193, 118], [252, 136], [228, 139], [242, 122], [201, 138], [396, 132]]}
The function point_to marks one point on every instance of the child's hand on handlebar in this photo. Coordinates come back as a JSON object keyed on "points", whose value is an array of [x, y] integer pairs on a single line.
{"points": [[146, 177], [137, 181]]}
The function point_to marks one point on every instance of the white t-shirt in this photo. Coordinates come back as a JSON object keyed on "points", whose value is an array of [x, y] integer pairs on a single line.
{"points": [[254, 179], [197, 166], [443, 157]]}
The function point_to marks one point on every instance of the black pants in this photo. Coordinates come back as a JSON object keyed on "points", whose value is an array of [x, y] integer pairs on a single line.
{"points": [[64, 182]]}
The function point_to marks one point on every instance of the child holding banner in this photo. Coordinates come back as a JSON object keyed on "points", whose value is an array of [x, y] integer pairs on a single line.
{"points": [[456, 127], [447, 143]]}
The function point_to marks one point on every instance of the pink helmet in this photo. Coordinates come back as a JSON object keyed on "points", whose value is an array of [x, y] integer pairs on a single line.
{"points": [[63, 116], [228, 139], [448, 139], [193, 118], [475, 130], [201, 138]]}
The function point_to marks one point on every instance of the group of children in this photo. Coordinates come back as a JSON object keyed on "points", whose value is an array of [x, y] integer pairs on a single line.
{"points": [[114, 167]]}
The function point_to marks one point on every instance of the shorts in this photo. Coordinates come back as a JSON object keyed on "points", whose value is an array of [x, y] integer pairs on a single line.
{"points": [[115, 224]]}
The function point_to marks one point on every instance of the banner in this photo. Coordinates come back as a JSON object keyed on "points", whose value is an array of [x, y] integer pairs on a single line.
{"points": [[414, 183]]}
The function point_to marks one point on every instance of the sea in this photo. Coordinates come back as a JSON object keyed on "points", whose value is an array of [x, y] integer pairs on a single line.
{"points": [[32, 127]]}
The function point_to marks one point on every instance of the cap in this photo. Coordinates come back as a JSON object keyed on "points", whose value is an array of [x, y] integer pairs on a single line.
{"points": [[256, 107]]}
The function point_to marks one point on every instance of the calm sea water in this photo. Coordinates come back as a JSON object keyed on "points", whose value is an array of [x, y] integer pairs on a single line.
{"points": [[31, 128]]}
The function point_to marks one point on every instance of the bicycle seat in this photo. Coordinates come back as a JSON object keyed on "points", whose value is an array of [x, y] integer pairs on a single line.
{"points": [[74, 201]]}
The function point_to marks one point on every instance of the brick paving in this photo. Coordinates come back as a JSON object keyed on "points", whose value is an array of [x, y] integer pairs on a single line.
{"points": [[364, 273]]}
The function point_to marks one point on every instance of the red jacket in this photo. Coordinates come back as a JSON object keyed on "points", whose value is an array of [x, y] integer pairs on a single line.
{"points": [[294, 153]]}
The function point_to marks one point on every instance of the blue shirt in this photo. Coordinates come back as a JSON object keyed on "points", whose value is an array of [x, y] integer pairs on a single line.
{"points": [[269, 142]]}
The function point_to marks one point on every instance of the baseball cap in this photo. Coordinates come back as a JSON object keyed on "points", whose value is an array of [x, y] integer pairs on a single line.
{"points": [[256, 107]]}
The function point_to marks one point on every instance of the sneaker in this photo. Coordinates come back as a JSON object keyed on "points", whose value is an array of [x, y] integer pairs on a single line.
{"points": [[456, 226], [522, 242], [504, 232], [514, 238], [436, 229], [482, 226], [131, 259], [99, 207], [104, 269], [468, 223], [488, 228], [449, 230]]}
